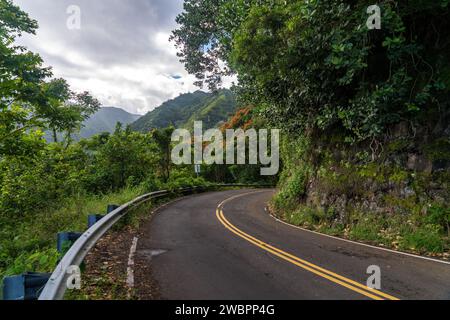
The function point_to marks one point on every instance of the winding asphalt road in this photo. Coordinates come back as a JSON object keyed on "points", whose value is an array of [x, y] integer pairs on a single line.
{"points": [[224, 245]]}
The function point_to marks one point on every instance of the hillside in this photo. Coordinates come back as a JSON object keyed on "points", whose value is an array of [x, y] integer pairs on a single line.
{"points": [[211, 108]]}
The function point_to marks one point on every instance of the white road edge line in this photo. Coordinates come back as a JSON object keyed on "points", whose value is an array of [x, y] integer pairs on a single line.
{"points": [[130, 271], [355, 242], [130, 266], [333, 237]]}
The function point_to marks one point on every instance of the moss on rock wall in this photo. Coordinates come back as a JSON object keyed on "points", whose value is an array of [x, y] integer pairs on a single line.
{"points": [[393, 193]]}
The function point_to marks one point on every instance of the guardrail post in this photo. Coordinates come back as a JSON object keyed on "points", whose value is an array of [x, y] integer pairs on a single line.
{"points": [[65, 240], [93, 219], [111, 208], [27, 286]]}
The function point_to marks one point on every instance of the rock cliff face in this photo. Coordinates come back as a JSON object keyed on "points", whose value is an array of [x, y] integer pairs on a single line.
{"points": [[395, 192], [407, 172]]}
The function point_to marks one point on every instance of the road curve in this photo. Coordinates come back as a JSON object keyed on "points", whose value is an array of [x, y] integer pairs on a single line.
{"points": [[224, 245]]}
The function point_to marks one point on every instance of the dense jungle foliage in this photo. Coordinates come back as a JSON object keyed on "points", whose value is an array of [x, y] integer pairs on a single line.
{"points": [[365, 113]]}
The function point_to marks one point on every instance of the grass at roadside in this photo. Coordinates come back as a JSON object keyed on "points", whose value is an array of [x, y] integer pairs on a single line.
{"points": [[105, 267], [29, 243], [104, 273], [409, 234]]}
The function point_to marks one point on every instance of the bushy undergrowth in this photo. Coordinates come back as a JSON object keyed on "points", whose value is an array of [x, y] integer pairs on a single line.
{"points": [[28, 243], [402, 233], [46, 188]]}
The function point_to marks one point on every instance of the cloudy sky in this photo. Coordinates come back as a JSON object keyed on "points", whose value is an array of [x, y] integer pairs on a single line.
{"points": [[121, 53]]}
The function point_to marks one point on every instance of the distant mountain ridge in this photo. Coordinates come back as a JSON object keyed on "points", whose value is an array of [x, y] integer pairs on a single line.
{"points": [[181, 112], [104, 120]]}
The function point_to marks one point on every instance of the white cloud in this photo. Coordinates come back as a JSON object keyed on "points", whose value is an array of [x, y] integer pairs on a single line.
{"points": [[121, 54]]}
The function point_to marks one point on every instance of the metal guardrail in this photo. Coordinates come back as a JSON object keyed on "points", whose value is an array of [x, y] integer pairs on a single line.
{"points": [[56, 285]]}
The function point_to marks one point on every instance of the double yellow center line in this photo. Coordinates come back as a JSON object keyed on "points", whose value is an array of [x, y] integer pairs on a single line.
{"points": [[324, 273]]}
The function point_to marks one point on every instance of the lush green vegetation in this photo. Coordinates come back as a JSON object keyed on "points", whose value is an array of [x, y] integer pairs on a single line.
{"points": [[365, 112], [47, 188], [51, 180], [60, 185], [365, 119], [374, 202], [210, 108], [28, 243], [314, 65]]}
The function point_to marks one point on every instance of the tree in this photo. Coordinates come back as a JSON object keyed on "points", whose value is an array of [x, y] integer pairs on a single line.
{"points": [[198, 40], [314, 66], [57, 92], [28, 101], [21, 79], [163, 138], [124, 158], [78, 109], [65, 110]]}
